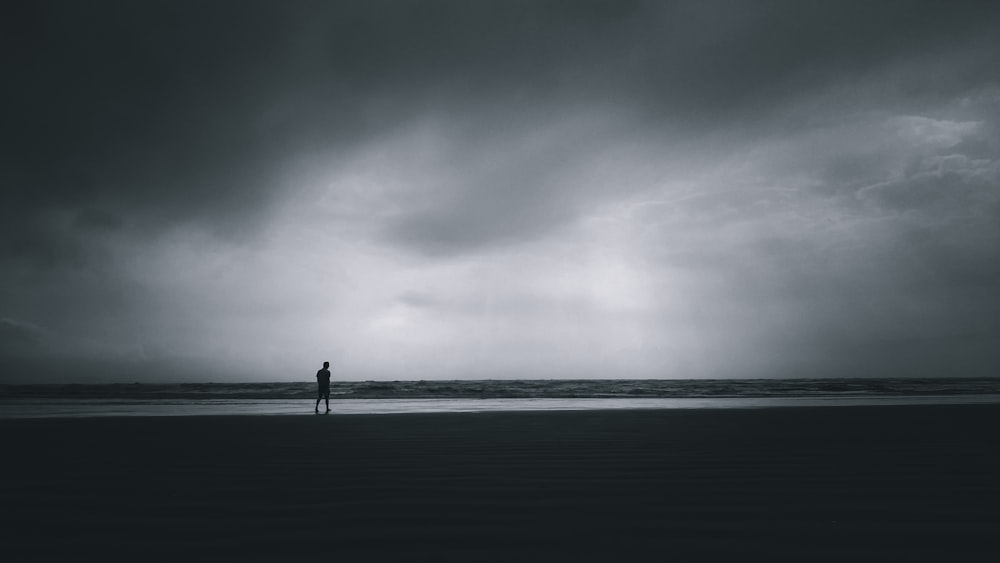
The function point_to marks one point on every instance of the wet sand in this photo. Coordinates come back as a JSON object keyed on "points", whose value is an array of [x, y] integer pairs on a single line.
{"points": [[866, 483]]}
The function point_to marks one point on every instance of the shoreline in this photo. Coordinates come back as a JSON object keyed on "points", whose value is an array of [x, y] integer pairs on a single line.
{"points": [[40, 408]]}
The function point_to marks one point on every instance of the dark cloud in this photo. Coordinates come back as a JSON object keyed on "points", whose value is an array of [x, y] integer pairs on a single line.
{"points": [[170, 112]]}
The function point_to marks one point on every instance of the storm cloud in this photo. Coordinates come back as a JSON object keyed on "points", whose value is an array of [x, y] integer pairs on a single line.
{"points": [[499, 189]]}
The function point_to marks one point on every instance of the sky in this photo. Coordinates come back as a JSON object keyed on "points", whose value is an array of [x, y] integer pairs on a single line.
{"points": [[239, 191]]}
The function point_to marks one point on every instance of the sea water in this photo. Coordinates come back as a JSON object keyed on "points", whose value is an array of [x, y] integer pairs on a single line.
{"points": [[386, 397]]}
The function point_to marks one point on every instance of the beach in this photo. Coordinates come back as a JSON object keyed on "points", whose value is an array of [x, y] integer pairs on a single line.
{"points": [[866, 483]]}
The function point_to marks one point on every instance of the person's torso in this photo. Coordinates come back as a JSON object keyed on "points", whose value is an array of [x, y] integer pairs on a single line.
{"points": [[323, 376]]}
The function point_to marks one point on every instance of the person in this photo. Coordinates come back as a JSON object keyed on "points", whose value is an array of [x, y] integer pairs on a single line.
{"points": [[323, 380]]}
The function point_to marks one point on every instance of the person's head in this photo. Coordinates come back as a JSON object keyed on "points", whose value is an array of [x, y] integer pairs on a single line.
{"points": [[326, 365]]}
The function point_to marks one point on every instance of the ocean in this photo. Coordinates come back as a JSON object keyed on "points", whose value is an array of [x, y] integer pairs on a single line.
{"points": [[385, 397]]}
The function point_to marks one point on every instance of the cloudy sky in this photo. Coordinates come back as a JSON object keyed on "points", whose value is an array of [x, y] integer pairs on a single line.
{"points": [[211, 191]]}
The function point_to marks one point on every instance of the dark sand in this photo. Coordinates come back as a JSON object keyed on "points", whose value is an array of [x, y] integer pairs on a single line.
{"points": [[868, 483]]}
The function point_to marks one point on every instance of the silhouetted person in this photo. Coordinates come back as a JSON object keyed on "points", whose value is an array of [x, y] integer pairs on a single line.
{"points": [[323, 380]]}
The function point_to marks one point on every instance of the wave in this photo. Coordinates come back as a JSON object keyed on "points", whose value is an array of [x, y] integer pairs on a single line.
{"points": [[516, 389]]}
